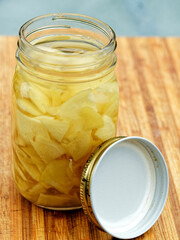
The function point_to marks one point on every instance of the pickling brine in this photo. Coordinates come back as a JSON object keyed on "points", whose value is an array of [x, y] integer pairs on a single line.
{"points": [[64, 104]]}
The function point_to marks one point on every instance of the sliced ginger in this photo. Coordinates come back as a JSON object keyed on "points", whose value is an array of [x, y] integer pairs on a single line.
{"points": [[79, 144], [107, 131], [29, 127], [28, 107], [47, 149], [71, 108], [55, 176], [40, 100], [56, 129], [92, 119]]}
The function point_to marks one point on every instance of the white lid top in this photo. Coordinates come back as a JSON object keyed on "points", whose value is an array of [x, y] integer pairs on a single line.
{"points": [[129, 187]]}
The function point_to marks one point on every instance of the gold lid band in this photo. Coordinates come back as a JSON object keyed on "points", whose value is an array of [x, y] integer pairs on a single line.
{"points": [[86, 179]]}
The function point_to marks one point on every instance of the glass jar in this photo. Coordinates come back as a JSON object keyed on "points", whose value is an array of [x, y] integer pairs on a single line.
{"points": [[64, 104]]}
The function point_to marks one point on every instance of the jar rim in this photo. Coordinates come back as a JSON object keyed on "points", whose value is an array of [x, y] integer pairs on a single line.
{"points": [[105, 28]]}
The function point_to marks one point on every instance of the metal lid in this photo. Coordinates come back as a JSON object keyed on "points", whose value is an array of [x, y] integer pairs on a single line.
{"points": [[124, 186]]}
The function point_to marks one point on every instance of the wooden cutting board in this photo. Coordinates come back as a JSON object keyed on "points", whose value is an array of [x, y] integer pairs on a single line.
{"points": [[148, 71]]}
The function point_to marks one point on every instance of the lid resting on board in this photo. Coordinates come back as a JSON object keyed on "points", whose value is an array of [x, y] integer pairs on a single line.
{"points": [[124, 186]]}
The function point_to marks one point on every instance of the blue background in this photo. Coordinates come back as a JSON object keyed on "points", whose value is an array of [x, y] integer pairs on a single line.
{"points": [[126, 17]]}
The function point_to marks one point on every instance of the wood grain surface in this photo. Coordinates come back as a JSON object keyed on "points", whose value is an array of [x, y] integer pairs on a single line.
{"points": [[148, 71]]}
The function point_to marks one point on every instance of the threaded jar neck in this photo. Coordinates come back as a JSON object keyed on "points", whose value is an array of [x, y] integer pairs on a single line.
{"points": [[66, 43]]}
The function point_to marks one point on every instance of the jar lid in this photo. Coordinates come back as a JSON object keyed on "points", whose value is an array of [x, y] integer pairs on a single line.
{"points": [[124, 186]]}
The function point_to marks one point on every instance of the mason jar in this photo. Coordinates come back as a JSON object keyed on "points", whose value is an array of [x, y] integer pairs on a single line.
{"points": [[64, 104]]}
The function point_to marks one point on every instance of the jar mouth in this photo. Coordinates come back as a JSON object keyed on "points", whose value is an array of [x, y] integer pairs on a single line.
{"points": [[55, 21]]}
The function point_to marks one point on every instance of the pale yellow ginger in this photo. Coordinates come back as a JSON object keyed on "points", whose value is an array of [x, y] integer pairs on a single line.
{"points": [[29, 127], [26, 163], [107, 131], [26, 106], [79, 144], [111, 108], [42, 88], [76, 125], [107, 99], [92, 119], [34, 157], [57, 128], [101, 99], [55, 176], [56, 96], [47, 149], [24, 90], [71, 108], [40, 100], [59, 96]]}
